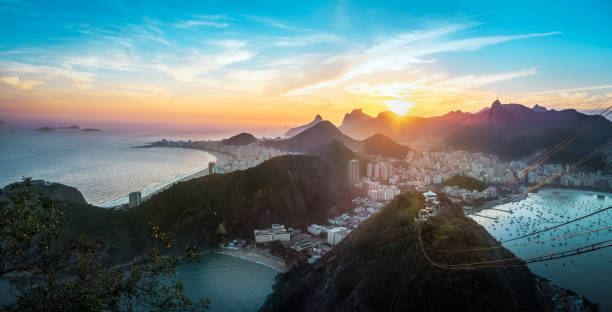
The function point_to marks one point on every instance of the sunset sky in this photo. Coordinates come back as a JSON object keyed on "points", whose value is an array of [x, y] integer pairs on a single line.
{"points": [[281, 63]]}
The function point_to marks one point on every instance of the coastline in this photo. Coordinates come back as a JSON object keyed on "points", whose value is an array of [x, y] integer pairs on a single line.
{"points": [[221, 159], [258, 256]]}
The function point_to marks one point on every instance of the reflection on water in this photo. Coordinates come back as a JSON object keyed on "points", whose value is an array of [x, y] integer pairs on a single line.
{"points": [[588, 274]]}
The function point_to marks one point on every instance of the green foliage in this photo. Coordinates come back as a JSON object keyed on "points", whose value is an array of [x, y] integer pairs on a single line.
{"points": [[380, 267], [73, 276], [467, 183]]}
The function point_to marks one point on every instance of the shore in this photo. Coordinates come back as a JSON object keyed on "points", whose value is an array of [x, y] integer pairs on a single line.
{"points": [[258, 256], [221, 160]]}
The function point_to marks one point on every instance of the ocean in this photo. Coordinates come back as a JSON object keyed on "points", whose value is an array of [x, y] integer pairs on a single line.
{"points": [[104, 166], [588, 273]]}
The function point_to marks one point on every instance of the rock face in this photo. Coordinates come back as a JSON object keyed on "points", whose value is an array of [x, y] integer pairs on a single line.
{"points": [[380, 266], [296, 130], [240, 139]]}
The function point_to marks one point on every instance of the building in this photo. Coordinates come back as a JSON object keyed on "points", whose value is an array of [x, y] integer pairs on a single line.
{"points": [[212, 167], [135, 199], [370, 170], [336, 235], [353, 171], [276, 233]]}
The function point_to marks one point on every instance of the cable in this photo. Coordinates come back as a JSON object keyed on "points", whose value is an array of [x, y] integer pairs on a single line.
{"points": [[526, 243], [564, 143], [558, 226]]}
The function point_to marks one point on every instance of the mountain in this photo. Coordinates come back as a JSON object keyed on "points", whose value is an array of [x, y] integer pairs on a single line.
{"points": [[382, 145], [296, 130], [508, 130], [240, 139], [381, 266], [294, 190], [321, 133]]}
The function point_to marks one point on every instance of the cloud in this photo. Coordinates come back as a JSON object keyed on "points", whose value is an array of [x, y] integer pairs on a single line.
{"points": [[398, 52], [80, 79], [309, 40], [23, 85], [208, 21], [473, 81]]}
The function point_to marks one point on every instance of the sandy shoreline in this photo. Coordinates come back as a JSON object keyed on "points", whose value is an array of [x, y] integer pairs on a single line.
{"points": [[221, 159], [258, 256]]}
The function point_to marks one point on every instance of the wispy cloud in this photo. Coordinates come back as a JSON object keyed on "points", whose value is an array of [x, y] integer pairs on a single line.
{"points": [[474, 81], [194, 23], [23, 85], [309, 40], [397, 53]]}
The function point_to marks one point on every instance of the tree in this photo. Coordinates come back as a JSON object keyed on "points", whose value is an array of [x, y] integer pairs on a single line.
{"points": [[47, 276]]}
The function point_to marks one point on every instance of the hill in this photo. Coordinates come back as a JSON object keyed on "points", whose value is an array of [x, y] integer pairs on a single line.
{"points": [[296, 130], [382, 145], [336, 155], [293, 190], [240, 139], [321, 133], [467, 183], [380, 267]]}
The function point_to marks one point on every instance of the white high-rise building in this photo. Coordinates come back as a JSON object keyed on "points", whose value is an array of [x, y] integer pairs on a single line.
{"points": [[336, 235], [353, 172], [384, 171], [135, 199], [370, 169], [376, 171]]}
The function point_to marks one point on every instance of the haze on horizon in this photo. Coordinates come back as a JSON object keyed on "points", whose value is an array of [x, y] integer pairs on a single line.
{"points": [[262, 64]]}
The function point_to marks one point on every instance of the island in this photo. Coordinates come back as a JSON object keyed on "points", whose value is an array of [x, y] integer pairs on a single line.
{"points": [[91, 130]]}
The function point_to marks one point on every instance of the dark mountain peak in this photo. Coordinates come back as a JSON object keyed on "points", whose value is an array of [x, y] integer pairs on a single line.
{"points": [[354, 118], [539, 109], [496, 104], [382, 145], [240, 139], [296, 130], [321, 133]]}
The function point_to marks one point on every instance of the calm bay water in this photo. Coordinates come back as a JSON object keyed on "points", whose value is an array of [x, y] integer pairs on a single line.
{"points": [[232, 284], [102, 165], [588, 274]]}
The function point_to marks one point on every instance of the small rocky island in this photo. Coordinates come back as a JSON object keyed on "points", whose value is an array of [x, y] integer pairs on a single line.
{"points": [[92, 130]]}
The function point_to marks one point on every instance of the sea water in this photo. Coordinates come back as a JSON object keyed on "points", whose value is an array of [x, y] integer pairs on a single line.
{"points": [[588, 274], [104, 166]]}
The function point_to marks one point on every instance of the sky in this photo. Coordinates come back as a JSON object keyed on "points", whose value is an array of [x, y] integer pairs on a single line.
{"points": [[279, 63]]}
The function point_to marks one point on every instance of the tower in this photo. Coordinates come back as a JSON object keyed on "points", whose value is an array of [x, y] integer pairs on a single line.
{"points": [[353, 171]]}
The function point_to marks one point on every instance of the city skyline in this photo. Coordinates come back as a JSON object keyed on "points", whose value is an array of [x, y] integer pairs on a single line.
{"points": [[268, 64]]}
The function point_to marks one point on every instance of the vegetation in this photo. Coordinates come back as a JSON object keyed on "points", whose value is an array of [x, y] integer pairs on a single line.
{"points": [[46, 275], [467, 183], [293, 190], [380, 267]]}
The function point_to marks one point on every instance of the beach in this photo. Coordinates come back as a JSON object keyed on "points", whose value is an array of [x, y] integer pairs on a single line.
{"points": [[259, 256]]}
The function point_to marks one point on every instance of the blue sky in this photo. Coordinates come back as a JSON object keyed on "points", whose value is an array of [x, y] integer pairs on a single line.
{"points": [[199, 58]]}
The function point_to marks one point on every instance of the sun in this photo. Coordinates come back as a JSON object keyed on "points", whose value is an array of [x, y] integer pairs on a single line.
{"points": [[400, 107]]}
